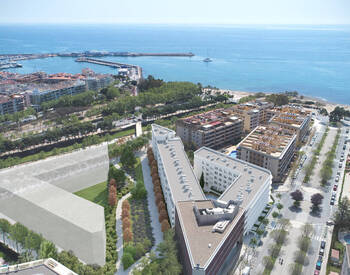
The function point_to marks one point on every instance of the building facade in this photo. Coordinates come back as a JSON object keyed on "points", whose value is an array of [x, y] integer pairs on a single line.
{"points": [[253, 114], [213, 129], [292, 118], [269, 147], [209, 231], [11, 104]]}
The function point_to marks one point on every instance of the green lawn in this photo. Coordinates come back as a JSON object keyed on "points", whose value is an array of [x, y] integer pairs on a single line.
{"points": [[97, 193]]}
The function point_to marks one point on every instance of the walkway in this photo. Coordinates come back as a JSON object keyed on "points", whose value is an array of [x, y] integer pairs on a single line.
{"points": [[119, 228], [152, 208]]}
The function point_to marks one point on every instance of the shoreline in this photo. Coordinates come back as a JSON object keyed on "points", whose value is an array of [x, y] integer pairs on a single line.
{"points": [[328, 105]]}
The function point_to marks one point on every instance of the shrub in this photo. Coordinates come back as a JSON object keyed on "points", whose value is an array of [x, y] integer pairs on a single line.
{"points": [[275, 214], [127, 260], [159, 198], [268, 262], [165, 226]]}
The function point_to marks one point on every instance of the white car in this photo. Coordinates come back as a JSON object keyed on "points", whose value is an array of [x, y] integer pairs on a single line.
{"points": [[337, 178]]}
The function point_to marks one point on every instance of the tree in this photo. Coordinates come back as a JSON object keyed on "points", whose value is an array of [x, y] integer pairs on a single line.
{"points": [[268, 262], [299, 257], [127, 260], [316, 200], [161, 206], [303, 243], [323, 112], [139, 191], [125, 213], [284, 223], [295, 269], [165, 226], [127, 157], [265, 221], [126, 223], [47, 250], [279, 207], [342, 215], [274, 250], [112, 195], [33, 241], [18, 233], [201, 180], [163, 215], [253, 242], [278, 99], [5, 228], [297, 196], [126, 205], [275, 214], [307, 230], [127, 235]]}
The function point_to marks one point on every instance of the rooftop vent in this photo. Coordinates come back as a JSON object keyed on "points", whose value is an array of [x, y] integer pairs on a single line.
{"points": [[209, 245]]}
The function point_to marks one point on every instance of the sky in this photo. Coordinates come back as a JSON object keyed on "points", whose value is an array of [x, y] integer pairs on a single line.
{"points": [[176, 11]]}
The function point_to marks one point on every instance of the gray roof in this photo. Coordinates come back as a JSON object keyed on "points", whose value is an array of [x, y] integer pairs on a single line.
{"points": [[248, 180], [39, 196], [182, 181], [181, 178]]}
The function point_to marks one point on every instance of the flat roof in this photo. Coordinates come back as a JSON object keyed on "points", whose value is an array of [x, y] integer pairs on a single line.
{"points": [[182, 181], [202, 242], [270, 140], [248, 178]]}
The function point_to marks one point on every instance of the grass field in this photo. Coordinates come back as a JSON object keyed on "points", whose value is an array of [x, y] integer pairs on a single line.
{"points": [[97, 193]]}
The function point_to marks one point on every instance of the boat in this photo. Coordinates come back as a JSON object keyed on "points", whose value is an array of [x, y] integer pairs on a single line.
{"points": [[207, 60]]}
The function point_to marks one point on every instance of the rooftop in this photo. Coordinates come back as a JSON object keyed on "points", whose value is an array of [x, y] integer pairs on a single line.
{"points": [[248, 178], [270, 140], [213, 118], [202, 242], [182, 181], [39, 267]]}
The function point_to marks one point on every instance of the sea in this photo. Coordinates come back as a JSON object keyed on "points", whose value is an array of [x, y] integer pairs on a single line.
{"points": [[313, 60]]}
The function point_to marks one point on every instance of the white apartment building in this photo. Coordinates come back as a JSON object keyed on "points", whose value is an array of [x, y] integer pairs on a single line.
{"points": [[177, 178], [236, 180]]}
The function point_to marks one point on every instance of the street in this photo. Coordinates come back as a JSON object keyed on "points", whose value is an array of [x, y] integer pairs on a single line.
{"points": [[302, 215]]}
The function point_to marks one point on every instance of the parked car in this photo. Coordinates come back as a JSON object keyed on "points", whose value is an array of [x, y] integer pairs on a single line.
{"points": [[330, 222], [318, 265], [337, 178], [344, 147], [338, 173], [317, 272], [321, 252], [323, 244], [340, 165], [332, 202], [335, 187]]}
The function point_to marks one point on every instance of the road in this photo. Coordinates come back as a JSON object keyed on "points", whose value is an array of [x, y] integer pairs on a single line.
{"points": [[299, 217]]}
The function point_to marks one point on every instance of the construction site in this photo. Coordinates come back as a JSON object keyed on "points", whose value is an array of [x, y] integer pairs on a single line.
{"points": [[271, 147]]}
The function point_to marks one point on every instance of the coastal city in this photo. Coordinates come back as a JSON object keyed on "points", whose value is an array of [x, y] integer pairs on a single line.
{"points": [[147, 139]]}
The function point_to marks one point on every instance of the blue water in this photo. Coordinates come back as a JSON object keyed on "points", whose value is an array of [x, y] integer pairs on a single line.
{"points": [[312, 60]]}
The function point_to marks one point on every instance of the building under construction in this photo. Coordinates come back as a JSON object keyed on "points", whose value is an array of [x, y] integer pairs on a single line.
{"points": [[213, 129], [271, 147], [292, 118]]}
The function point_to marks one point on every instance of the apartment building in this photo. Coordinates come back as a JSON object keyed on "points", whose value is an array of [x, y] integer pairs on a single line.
{"points": [[11, 104], [253, 114], [269, 147], [209, 231], [234, 179], [293, 118], [68, 88], [213, 129], [177, 178]]}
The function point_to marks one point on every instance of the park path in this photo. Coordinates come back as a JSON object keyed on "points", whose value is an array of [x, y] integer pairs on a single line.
{"points": [[152, 208], [119, 229]]}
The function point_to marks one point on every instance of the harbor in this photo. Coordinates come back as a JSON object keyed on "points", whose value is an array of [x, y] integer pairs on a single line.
{"points": [[86, 54]]}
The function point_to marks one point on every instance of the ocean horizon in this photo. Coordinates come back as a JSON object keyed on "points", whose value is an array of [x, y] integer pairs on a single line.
{"points": [[311, 59]]}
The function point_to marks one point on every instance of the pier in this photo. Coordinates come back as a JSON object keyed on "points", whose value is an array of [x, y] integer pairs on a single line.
{"points": [[105, 63], [87, 54]]}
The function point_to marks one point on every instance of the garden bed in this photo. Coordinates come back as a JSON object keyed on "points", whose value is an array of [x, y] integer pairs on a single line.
{"points": [[141, 222]]}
